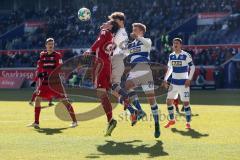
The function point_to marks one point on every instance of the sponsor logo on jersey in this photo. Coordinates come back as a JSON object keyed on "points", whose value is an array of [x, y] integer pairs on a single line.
{"points": [[176, 63], [134, 50], [109, 47]]}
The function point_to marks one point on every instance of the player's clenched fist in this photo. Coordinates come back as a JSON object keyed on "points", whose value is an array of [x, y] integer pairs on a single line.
{"points": [[133, 36]]}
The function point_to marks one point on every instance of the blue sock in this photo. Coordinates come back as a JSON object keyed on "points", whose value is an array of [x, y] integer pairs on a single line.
{"points": [[187, 110], [137, 104], [135, 101], [171, 112], [154, 109], [130, 108]]}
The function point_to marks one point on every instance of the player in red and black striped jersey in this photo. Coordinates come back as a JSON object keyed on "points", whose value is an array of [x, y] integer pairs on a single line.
{"points": [[49, 82]]}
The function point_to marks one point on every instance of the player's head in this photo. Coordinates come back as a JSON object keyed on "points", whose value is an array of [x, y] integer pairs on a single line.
{"points": [[177, 44], [119, 17], [110, 25], [49, 44], [138, 29]]}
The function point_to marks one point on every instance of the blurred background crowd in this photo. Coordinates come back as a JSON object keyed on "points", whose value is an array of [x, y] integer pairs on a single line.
{"points": [[163, 18]]}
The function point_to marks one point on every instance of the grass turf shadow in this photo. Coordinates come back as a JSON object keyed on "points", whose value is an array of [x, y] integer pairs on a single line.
{"points": [[51, 131], [129, 148], [190, 133]]}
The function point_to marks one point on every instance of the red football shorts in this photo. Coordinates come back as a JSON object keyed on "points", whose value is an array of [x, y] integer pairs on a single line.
{"points": [[50, 91], [102, 75]]}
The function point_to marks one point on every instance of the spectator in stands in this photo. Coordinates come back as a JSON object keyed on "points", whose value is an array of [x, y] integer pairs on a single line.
{"points": [[218, 77], [62, 24]]}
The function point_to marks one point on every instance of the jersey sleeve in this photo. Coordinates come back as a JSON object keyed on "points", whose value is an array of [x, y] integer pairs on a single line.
{"points": [[120, 38], [189, 59], [146, 41], [169, 70], [169, 62], [59, 60], [191, 65]]}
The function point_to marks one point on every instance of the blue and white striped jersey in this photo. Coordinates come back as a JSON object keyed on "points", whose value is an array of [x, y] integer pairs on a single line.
{"points": [[179, 64], [139, 50]]}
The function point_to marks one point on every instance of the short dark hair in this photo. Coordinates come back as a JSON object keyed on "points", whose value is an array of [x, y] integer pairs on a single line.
{"points": [[115, 26], [117, 15], [177, 39], [141, 26], [49, 40]]}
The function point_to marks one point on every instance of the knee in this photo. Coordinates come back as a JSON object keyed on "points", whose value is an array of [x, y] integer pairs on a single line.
{"points": [[101, 93], [169, 102], [37, 101], [151, 99], [186, 103], [65, 102], [128, 85]]}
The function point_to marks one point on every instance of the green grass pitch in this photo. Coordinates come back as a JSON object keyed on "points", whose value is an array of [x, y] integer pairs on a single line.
{"points": [[215, 133]]}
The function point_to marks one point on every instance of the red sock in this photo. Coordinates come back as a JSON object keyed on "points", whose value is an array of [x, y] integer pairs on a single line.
{"points": [[176, 102], [33, 96], [107, 107], [37, 114], [71, 112]]}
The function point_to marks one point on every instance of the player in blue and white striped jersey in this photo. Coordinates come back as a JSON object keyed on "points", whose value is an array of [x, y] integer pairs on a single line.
{"points": [[179, 64], [141, 73]]}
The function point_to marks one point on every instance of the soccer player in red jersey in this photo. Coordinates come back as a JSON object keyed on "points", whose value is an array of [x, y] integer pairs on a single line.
{"points": [[48, 65], [102, 49], [34, 95]]}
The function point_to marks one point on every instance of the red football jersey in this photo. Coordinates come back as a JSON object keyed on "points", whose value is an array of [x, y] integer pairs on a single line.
{"points": [[50, 85], [104, 45], [47, 64]]}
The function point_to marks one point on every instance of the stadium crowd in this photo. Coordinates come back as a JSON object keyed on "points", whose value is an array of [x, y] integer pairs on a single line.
{"points": [[210, 56], [222, 32], [14, 59], [160, 16]]}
